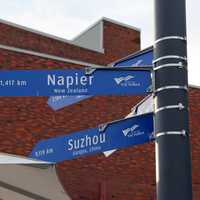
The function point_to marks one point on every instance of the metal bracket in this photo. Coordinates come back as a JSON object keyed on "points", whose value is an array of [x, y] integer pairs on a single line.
{"points": [[179, 65], [102, 127], [182, 133], [135, 107], [149, 89], [171, 87], [89, 70], [171, 38], [169, 57], [152, 136], [180, 106]]}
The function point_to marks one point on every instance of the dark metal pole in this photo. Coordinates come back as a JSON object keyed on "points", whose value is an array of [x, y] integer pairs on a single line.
{"points": [[173, 162]]}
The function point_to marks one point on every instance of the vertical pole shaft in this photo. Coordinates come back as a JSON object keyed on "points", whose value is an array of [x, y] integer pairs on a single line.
{"points": [[173, 161]]}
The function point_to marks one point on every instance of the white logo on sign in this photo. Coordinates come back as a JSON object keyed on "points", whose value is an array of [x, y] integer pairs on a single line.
{"points": [[133, 131], [130, 130], [79, 96], [121, 79], [137, 63]]}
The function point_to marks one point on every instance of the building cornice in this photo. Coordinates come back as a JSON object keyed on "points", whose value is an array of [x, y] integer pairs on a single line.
{"points": [[48, 56], [41, 33]]}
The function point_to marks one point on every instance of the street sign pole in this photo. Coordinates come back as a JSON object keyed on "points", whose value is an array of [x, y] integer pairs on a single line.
{"points": [[173, 162]]}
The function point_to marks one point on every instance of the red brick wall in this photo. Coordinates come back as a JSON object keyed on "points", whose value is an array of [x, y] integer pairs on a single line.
{"points": [[118, 42], [195, 139], [128, 174], [14, 60]]}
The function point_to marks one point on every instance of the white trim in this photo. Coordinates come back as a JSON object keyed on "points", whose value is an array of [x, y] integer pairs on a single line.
{"points": [[121, 24], [194, 86], [43, 55], [6, 158]]}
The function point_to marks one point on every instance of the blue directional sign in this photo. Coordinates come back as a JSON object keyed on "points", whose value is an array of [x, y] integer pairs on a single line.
{"points": [[141, 58], [58, 102], [119, 134], [73, 82]]}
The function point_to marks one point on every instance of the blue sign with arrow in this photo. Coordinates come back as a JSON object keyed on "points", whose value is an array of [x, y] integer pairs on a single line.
{"points": [[141, 58], [74, 82], [118, 134]]}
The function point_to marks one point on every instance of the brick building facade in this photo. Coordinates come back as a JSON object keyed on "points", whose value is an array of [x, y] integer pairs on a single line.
{"points": [[128, 174]]}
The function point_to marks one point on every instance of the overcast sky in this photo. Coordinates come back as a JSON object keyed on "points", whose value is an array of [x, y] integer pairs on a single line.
{"points": [[67, 18]]}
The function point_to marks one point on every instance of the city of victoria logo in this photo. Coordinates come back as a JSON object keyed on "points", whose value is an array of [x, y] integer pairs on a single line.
{"points": [[126, 81], [137, 63], [129, 130], [121, 79], [132, 131]]}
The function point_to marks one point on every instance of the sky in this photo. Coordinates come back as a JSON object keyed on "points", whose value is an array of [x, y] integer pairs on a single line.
{"points": [[67, 18]]}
